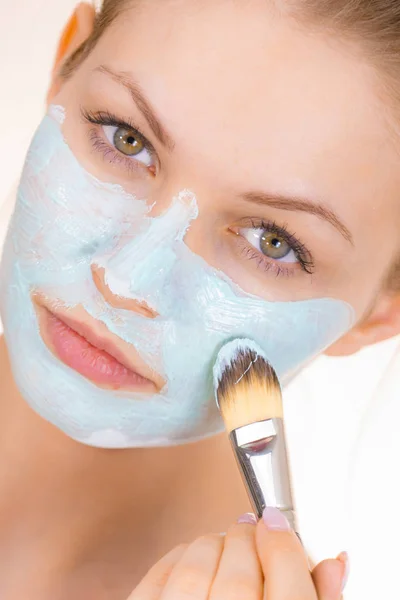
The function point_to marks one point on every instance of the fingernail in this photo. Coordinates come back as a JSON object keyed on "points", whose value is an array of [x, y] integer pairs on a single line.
{"points": [[275, 520], [344, 558], [248, 518]]}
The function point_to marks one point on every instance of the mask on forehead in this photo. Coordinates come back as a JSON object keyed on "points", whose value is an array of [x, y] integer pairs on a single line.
{"points": [[65, 222]]}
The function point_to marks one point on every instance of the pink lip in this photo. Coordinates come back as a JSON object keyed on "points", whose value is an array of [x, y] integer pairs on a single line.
{"points": [[94, 357]]}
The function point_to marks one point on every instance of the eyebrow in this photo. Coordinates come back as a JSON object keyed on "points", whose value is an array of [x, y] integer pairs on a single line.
{"points": [[302, 205], [275, 200], [142, 102]]}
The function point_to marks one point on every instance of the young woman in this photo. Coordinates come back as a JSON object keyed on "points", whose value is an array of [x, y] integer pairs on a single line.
{"points": [[205, 170]]}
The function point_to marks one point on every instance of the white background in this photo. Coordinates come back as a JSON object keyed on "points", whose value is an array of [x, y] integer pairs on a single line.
{"points": [[29, 34], [342, 415]]}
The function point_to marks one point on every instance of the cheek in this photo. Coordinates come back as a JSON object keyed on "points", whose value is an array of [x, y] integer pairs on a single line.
{"points": [[64, 215], [362, 282]]}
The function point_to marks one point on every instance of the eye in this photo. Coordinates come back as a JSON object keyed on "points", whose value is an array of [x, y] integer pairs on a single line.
{"points": [[270, 244], [129, 142]]}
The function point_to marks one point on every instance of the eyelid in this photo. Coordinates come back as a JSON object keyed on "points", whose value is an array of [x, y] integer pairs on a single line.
{"points": [[256, 235], [106, 118], [267, 264], [110, 131], [304, 256]]}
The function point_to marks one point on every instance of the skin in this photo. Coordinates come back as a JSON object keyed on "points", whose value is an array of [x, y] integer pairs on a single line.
{"points": [[280, 112]]}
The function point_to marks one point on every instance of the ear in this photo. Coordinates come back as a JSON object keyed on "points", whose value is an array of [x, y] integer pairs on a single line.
{"points": [[77, 30], [381, 323]]}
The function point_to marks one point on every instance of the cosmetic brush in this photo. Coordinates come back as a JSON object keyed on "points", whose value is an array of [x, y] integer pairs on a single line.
{"points": [[249, 397]]}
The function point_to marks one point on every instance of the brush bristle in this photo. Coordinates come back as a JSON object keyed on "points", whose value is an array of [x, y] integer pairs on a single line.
{"points": [[247, 388]]}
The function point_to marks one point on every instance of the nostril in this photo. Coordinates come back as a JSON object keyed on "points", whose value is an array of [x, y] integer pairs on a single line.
{"points": [[139, 307]]}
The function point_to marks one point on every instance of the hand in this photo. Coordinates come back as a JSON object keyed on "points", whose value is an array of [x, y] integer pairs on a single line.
{"points": [[251, 562]]}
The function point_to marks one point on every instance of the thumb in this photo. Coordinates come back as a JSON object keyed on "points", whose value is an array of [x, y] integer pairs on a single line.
{"points": [[283, 560]]}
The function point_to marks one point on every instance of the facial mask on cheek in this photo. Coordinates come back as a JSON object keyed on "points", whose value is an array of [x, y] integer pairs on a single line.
{"points": [[65, 221]]}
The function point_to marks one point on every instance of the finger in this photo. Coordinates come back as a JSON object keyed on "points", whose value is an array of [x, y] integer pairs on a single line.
{"points": [[193, 575], [239, 574], [283, 560], [328, 577], [153, 583]]}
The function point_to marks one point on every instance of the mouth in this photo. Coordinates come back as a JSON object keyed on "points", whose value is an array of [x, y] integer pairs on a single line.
{"points": [[95, 353]]}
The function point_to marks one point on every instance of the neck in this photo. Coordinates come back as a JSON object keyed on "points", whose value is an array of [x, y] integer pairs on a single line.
{"points": [[55, 491]]}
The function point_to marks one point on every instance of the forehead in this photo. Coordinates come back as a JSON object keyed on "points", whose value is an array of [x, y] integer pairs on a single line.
{"points": [[230, 78]]}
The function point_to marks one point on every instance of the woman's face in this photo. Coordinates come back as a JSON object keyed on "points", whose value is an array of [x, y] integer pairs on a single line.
{"points": [[279, 136], [269, 127]]}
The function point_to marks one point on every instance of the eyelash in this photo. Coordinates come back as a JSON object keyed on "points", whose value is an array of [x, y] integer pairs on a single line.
{"points": [[302, 254], [106, 118]]}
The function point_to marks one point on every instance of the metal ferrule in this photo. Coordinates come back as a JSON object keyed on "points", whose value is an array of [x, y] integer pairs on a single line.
{"points": [[260, 450]]}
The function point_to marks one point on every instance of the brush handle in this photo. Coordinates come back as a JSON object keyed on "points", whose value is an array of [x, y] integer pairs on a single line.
{"points": [[291, 517], [260, 450]]}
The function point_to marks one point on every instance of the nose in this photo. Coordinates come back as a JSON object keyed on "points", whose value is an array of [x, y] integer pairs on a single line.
{"points": [[141, 308]]}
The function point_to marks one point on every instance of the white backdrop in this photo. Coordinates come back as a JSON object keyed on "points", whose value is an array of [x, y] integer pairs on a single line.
{"points": [[342, 414], [29, 34]]}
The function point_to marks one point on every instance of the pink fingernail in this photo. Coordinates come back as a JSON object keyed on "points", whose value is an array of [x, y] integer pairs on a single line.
{"points": [[344, 558], [275, 520], [248, 518]]}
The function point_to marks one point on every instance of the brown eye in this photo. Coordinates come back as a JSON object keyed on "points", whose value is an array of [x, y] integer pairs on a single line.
{"points": [[128, 142], [274, 246], [270, 243]]}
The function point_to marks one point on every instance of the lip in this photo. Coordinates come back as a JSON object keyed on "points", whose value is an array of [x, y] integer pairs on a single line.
{"points": [[138, 376]]}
